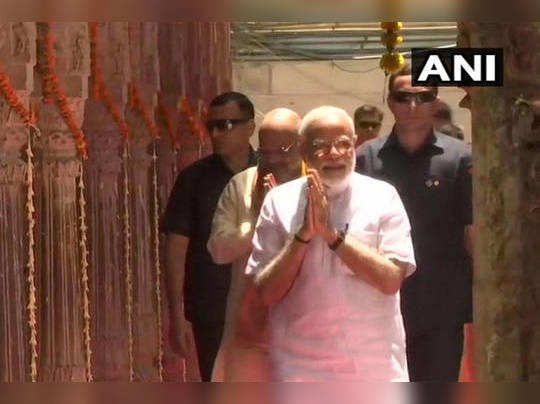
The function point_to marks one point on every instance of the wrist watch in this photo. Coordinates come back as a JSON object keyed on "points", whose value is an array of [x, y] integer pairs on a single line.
{"points": [[340, 237]]}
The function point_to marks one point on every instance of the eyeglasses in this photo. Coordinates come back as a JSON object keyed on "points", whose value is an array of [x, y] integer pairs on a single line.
{"points": [[323, 147], [281, 151], [368, 125], [224, 124], [420, 98]]}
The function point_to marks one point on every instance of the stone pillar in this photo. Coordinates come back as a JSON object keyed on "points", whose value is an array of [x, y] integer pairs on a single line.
{"points": [[224, 63], [171, 81], [105, 208], [506, 149], [144, 76], [61, 298], [17, 53]]}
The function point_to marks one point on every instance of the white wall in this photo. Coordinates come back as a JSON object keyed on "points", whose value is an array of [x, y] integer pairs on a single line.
{"points": [[302, 86]]}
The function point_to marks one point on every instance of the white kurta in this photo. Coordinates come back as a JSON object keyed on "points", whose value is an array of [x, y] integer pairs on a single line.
{"points": [[332, 325]]}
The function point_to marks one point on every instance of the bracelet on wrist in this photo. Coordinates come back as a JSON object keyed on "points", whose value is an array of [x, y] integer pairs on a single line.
{"points": [[340, 238], [300, 239]]}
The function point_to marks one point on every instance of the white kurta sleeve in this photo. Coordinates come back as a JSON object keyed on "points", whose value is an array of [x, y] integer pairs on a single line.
{"points": [[230, 238], [269, 238], [395, 233]]}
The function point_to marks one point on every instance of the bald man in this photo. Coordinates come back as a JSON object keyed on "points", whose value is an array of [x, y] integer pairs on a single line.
{"points": [[232, 230]]}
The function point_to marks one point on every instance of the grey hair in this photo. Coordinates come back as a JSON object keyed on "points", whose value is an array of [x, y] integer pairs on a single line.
{"points": [[318, 114]]}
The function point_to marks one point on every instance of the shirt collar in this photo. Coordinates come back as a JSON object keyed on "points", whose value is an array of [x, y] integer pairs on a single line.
{"points": [[433, 143], [252, 159]]}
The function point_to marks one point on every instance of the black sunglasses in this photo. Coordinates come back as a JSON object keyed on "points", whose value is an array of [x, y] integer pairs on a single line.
{"points": [[368, 125], [420, 98], [224, 124]]}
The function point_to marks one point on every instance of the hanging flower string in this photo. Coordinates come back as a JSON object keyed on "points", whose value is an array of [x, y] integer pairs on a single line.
{"points": [[32, 300], [28, 117], [53, 92], [157, 264], [100, 91], [84, 276], [392, 61], [194, 123], [138, 104], [127, 261]]}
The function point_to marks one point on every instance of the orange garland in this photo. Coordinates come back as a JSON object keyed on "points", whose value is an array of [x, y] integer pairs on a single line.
{"points": [[54, 92], [138, 104], [28, 117], [194, 123], [100, 89]]}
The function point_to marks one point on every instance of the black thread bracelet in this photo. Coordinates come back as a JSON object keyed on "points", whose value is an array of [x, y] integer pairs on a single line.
{"points": [[300, 240]]}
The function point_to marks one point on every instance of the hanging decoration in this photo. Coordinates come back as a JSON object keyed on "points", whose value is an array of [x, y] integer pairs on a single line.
{"points": [[84, 275], [100, 91], [138, 104], [127, 261], [194, 123], [393, 60], [32, 299], [10, 94], [157, 264], [28, 117], [53, 93]]}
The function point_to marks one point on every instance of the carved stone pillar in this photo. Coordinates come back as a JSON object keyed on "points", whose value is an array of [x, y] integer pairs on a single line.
{"points": [[144, 73], [506, 148], [17, 53], [61, 299], [105, 209], [103, 175]]}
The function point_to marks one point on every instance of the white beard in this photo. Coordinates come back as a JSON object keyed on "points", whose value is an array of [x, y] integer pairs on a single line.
{"points": [[335, 187]]}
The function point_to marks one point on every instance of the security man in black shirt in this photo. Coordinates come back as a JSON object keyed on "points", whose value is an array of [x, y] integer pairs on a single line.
{"points": [[196, 286], [432, 173]]}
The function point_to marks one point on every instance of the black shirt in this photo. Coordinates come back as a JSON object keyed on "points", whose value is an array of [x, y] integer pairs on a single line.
{"points": [[189, 212], [436, 189]]}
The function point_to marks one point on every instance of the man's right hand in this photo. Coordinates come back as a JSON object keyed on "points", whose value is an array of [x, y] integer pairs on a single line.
{"points": [[263, 185], [178, 336]]}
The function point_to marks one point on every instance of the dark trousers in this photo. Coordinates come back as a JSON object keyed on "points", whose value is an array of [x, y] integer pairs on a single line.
{"points": [[435, 355], [207, 340]]}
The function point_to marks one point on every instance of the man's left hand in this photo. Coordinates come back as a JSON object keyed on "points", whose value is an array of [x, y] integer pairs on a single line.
{"points": [[320, 207]]}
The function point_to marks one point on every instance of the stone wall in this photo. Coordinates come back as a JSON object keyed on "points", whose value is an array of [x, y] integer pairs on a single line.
{"points": [[98, 257], [506, 183]]}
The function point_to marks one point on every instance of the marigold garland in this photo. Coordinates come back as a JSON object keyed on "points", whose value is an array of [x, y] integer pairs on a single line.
{"points": [[100, 91], [138, 104], [6, 87], [393, 60], [53, 92], [194, 123]]}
